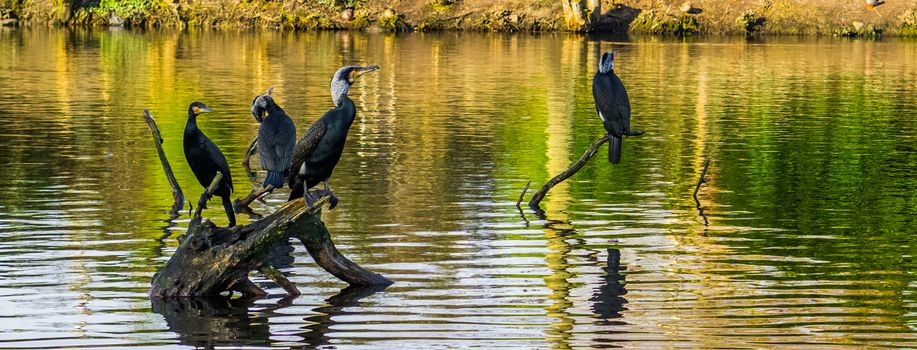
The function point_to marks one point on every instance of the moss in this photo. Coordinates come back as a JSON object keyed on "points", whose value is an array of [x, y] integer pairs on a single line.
{"points": [[860, 30], [392, 21], [908, 24], [10, 9], [440, 6], [751, 22], [500, 21], [655, 23]]}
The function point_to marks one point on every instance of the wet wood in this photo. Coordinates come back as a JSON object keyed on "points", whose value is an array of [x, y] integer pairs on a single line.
{"points": [[212, 260], [177, 195], [566, 174]]}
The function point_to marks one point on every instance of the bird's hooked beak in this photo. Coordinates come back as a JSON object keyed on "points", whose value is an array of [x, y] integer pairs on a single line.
{"points": [[199, 110], [363, 70]]}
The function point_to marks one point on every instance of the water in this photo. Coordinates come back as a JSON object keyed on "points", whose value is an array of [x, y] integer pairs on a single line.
{"points": [[811, 208]]}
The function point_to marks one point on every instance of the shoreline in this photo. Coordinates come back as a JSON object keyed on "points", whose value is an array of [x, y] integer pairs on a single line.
{"points": [[703, 17]]}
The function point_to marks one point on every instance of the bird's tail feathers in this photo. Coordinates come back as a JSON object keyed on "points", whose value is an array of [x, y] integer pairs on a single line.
{"points": [[614, 149], [274, 178]]}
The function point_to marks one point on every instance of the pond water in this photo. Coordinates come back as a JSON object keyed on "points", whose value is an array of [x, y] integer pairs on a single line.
{"points": [[807, 235]]}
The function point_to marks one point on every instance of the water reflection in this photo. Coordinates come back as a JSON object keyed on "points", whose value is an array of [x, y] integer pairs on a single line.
{"points": [[811, 208], [608, 301], [217, 322], [221, 322]]}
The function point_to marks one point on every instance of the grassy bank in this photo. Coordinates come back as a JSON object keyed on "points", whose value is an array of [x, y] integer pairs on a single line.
{"points": [[762, 17]]}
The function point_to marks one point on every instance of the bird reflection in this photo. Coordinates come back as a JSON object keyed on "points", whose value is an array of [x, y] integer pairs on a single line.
{"points": [[608, 301]]}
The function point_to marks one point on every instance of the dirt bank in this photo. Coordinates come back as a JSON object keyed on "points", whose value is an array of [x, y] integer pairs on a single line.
{"points": [[849, 17]]}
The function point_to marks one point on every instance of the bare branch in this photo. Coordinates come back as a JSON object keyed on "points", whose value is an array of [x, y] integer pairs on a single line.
{"points": [[177, 195]]}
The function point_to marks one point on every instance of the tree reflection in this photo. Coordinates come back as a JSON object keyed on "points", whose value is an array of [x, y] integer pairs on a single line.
{"points": [[214, 322]]}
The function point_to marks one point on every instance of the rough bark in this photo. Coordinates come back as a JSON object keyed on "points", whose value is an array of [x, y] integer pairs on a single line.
{"points": [[211, 260]]}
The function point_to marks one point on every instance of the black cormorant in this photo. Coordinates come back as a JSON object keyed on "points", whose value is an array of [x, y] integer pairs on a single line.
{"points": [[276, 139], [320, 148], [613, 105], [206, 159]]}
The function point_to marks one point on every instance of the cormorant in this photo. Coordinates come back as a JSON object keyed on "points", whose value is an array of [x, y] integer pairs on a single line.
{"points": [[206, 159], [276, 139], [320, 148], [613, 105]]}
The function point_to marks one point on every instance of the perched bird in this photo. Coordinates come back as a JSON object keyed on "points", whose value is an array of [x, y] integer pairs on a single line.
{"points": [[206, 159], [613, 105], [276, 139], [320, 148]]}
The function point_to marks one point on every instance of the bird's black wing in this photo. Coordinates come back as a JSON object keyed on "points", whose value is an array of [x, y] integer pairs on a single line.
{"points": [[305, 147], [218, 160], [287, 145], [612, 103], [276, 141]]}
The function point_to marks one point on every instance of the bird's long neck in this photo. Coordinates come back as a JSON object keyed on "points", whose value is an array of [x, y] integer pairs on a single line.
{"points": [[339, 90], [191, 126]]}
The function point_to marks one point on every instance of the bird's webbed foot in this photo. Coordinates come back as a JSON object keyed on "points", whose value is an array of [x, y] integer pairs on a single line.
{"points": [[332, 199], [634, 133], [308, 199]]}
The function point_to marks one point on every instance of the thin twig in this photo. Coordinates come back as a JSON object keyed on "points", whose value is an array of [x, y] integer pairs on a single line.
{"points": [[252, 148], [252, 196], [590, 152]]}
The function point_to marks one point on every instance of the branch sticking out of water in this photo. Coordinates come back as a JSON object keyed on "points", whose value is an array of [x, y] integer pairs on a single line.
{"points": [[522, 195], [177, 195], [590, 152], [700, 181]]}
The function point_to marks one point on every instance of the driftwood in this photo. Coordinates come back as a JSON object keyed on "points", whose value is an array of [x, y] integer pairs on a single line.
{"points": [[211, 260], [177, 195]]}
